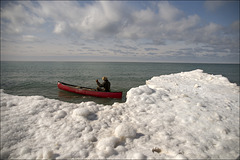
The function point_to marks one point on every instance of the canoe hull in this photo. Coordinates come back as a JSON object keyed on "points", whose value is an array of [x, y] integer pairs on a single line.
{"points": [[88, 91]]}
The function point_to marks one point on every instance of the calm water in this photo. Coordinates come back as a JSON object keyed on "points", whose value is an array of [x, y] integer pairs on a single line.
{"points": [[40, 78]]}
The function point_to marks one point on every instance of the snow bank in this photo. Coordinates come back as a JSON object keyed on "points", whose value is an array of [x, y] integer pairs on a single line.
{"points": [[189, 115]]}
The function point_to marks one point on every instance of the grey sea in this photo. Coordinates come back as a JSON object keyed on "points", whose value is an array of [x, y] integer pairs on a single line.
{"points": [[40, 78]]}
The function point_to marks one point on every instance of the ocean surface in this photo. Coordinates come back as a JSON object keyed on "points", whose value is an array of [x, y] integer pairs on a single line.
{"points": [[40, 78]]}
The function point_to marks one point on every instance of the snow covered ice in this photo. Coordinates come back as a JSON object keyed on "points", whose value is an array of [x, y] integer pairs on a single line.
{"points": [[189, 115]]}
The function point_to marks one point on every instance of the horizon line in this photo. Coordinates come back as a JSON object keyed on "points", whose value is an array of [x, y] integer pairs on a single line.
{"points": [[120, 61]]}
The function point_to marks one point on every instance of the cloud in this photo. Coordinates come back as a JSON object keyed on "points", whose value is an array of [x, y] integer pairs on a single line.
{"points": [[106, 19], [19, 17], [90, 20], [29, 38], [59, 27], [98, 24], [151, 49], [235, 25], [211, 28], [211, 5], [166, 22], [126, 47], [168, 12], [151, 53]]}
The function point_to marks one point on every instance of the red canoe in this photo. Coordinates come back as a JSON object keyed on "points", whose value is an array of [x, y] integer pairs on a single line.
{"points": [[88, 91]]}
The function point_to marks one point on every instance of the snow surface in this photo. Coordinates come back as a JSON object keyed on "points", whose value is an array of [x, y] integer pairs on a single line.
{"points": [[189, 115]]}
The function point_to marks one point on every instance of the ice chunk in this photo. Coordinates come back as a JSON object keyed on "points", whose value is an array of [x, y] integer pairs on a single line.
{"points": [[60, 114], [90, 138], [45, 153], [125, 131], [106, 146], [5, 154], [138, 156], [83, 112], [25, 150]]}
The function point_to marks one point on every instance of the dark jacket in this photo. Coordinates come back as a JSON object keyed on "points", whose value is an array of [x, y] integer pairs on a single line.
{"points": [[106, 85]]}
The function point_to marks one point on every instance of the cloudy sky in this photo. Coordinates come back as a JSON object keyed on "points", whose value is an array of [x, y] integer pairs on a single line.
{"points": [[156, 31]]}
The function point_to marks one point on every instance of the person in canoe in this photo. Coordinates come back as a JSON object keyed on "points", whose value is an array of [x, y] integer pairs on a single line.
{"points": [[105, 86]]}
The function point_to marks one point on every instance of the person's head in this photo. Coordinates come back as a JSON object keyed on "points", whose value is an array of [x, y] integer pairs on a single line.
{"points": [[104, 78]]}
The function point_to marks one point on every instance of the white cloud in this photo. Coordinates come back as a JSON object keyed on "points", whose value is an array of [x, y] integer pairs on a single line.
{"points": [[19, 18], [59, 27], [110, 19], [214, 5], [211, 28], [146, 16], [168, 12], [100, 22], [90, 20], [157, 27], [235, 25], [29, 38]]}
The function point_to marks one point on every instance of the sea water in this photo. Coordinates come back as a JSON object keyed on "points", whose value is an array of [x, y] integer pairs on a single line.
{"points": [[40, 78]]}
